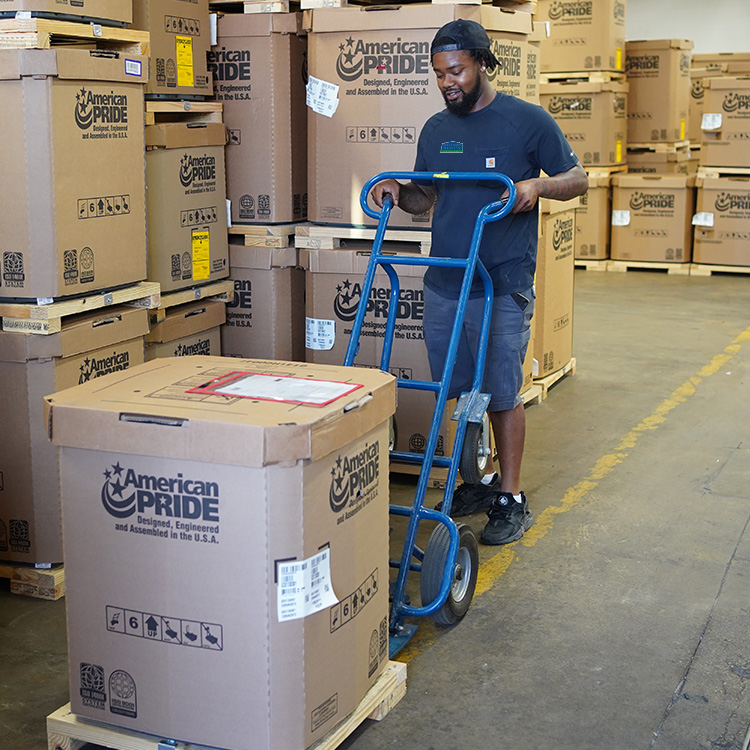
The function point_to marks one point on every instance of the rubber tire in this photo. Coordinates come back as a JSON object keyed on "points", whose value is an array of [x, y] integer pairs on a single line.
{"points": [[435, 557], [472, 464], [392, 433]]}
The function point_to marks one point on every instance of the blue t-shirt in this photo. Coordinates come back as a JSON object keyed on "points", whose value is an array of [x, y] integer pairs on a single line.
{"points": [[509, 136]]}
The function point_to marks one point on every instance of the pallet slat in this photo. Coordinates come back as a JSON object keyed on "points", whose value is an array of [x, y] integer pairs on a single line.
{"points": [[66, 731], [160, 110], [674, 269], [547, 381], [321, 237], [47, 318], [591, 265], [704, 269], [671, 147], [262, 235]]}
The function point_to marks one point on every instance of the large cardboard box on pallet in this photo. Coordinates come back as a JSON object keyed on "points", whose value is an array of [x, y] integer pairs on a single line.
{"points": [[555, 268], [31, 367], [180, 37], [73, 190], [594, 118], [584, 34], [659, 77], [266, 319], [259, 71], [187, 216], [372, 89], [722, 221], [186, 330], [593, 220], [107, 11], [726, 122], [211, 536], [651, 215]]}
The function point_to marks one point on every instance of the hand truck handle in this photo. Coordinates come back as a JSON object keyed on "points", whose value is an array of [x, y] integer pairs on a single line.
{"points": [[492, 211]]}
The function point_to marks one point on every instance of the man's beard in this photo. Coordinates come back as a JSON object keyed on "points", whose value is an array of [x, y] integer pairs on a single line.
{"points": [[463, 106]]}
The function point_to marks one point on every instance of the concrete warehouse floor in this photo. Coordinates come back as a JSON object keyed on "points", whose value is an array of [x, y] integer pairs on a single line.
{"points": [[620, 621]]}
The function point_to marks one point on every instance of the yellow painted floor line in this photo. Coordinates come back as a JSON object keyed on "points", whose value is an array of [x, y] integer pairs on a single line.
{"points": [[493, 568]]}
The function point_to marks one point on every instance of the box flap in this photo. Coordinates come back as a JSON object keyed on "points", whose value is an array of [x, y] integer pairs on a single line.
{"points": [[654, 44], [75, 64], [666, 181], [353, 259], [185, 134], [148, 411], [549, 206], [506, 19], [81, 333], [598, 181], [262, 258], [724, 83], [188, 319], [723, 183], [588, 87], [258, 24], [385, 17], [707, 58]]}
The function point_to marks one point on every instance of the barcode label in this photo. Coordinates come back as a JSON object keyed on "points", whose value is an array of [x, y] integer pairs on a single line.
{"points": [[305, 587]]}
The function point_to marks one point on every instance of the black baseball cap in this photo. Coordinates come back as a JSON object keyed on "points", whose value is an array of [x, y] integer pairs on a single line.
{"points": [[460, 34]]}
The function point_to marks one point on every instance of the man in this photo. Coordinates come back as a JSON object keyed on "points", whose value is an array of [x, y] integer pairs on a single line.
{"points": [[485, 131]]}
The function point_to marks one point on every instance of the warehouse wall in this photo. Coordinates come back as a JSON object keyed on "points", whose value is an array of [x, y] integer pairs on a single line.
{"points": [[718, 26]]}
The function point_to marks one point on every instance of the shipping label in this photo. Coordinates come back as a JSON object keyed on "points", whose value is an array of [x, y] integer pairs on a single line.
{"points": [[304, 586]]}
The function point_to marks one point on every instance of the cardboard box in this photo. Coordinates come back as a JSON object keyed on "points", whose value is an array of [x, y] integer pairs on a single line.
{"points": [[259, 69], [114, 12], [722, 221], [593, 221], [187, 216], [726, 122], [180, 37], [188, 329], [651, 216], [167, 494], [659, 77], [644, 161], [584, 34], [723, 63], [73, 189], [377, 91], [519, 56], [553, 335], [266, 319], [593, 117], [31, 367]]}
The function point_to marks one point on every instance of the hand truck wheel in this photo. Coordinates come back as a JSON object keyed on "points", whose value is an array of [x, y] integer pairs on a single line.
{"points": [[475, 452], [464, 573]]}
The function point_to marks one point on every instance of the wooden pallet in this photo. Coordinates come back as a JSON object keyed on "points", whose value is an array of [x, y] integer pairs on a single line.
{"points": [[325, 237], [46, 316], [44, 33], [704, 269], [591, 265], [606, 171], [265, 235], [714, 172], [40, 583], [160, 110], [660, 148], [66, 731], [673, 269], [583, 76], [547, 381], [222, 291]]}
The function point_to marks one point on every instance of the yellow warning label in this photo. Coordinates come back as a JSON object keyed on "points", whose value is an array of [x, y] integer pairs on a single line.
{"points": [[201, 254], [682, 129], [618, 59], [184, 57], [618, 152]]}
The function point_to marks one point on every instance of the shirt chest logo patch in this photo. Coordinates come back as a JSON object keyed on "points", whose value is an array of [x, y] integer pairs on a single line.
{"points": [[489, 162], [451, 147]]}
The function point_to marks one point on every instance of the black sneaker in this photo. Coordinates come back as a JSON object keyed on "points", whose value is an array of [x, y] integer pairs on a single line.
{"points": [[508, 519], [469, 498]]}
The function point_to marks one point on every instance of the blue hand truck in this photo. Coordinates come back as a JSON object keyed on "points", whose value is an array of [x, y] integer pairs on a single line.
{"points": [[449, 563]]}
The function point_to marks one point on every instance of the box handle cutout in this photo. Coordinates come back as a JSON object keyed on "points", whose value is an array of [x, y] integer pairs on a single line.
{"points": [[151, 419]]}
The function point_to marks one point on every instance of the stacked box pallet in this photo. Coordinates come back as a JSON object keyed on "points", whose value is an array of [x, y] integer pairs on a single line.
{"points": [[73, 227], [722, 216], [259, 69], [585, 90]]}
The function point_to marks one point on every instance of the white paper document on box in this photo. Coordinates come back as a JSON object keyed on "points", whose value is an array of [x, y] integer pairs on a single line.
{"points": [[305, 587]]}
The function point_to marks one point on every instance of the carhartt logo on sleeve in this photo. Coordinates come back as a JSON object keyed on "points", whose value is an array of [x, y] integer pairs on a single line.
{"points": [[451, 147]]}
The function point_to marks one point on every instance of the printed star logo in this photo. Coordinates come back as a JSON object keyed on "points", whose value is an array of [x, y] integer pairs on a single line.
{"points": [[81, 98]]}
